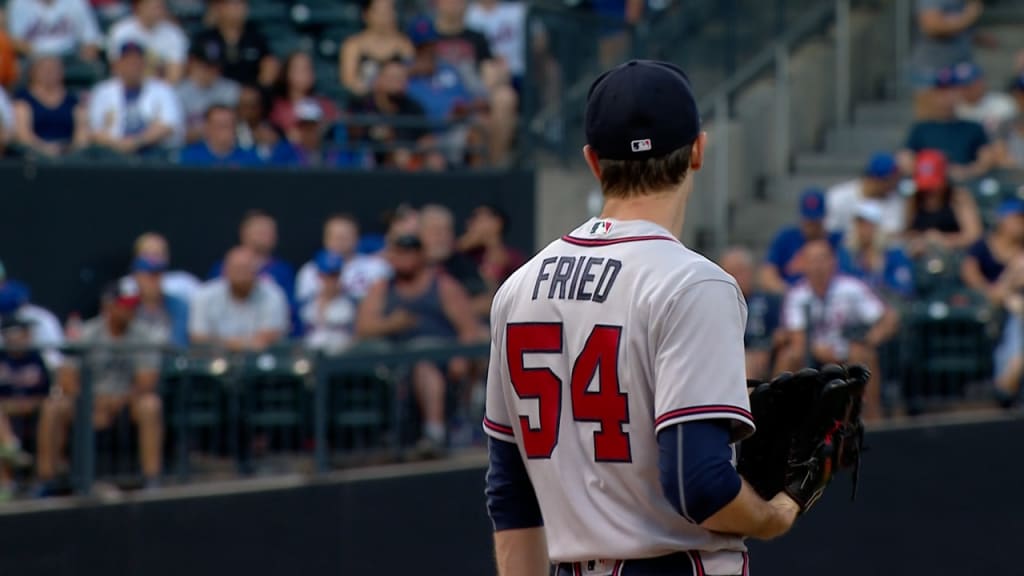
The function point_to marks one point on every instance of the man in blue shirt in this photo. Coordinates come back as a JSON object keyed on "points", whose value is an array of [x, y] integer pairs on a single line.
{"points": [[783, 265], [162, 311], [219, 146]]}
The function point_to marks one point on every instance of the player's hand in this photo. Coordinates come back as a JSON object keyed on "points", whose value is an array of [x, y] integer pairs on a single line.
{"points": [[786, 509]]}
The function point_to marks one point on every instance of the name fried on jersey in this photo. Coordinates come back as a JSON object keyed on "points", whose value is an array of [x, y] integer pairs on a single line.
{"points": [[584, 278]]}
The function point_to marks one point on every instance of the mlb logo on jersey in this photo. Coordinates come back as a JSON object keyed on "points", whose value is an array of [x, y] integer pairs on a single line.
{"points": [[641, 145], [601, 227]]}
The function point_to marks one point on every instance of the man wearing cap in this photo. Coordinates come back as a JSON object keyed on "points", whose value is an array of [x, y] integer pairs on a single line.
{"points": [[130, 113], [202, 88], [359, 271], [309, 140], [878, 183], [965, 143], [164, 42], [45, 327], [121, 380], [616, 383], [161, 313], [783, 265], [328, 320]]}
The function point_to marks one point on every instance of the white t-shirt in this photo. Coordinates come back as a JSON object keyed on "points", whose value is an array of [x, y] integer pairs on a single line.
{"points": [[993, 111], [329, 328], [6, 116], [848, 303], [608, 335], [841, 203], [505, 29], [357, 276], [165, 43], [110, 113], [57, 27]]}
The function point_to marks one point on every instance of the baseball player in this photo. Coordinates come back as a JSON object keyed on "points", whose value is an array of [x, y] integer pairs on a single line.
{"points": [[616, 387]]}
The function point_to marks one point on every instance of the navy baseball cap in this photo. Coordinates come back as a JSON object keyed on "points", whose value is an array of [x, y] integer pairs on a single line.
{"points": [[328, 262], [131, 47], [812, 204], [12, 296], [422, 31], [1011, 207], [881, 165], [639, 110], [151, 265]]}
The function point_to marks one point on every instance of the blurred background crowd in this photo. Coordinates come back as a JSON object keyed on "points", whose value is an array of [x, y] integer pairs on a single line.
{"points": [[917, 253]]}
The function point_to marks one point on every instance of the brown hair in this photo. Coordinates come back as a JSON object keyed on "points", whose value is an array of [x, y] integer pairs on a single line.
{"points": [[626, 178]]}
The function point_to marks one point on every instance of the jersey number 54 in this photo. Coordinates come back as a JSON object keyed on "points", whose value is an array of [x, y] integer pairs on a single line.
{"points": [[607, 405]]}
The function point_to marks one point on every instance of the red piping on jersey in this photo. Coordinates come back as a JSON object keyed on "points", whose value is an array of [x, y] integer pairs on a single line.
{"points": [[488, 423], [609, 241], [746, 564], [617, 568], [698, 566], [576, 568], [703, 410]]}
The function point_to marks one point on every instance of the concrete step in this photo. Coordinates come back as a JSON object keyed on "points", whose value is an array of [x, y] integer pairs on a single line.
{"points": [[830, 165], [865, 139], [886, 112]]}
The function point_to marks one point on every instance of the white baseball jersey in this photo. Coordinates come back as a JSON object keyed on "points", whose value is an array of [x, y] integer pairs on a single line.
{"points": [[847, 303], [165, 43], [58, 27], [607, 336], [504, 25]]}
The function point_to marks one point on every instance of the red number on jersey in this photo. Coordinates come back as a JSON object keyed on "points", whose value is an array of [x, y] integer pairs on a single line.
{"points": [[607, 405]]}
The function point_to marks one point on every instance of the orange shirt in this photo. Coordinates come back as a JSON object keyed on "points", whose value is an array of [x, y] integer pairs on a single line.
{"points": [[8, 61]]}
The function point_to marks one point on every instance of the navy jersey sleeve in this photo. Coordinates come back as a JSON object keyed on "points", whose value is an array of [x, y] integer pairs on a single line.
{"points": [[511, 500], [695, 468]]}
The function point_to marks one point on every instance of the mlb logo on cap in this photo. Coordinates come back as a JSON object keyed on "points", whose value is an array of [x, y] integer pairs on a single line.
{"points": [[641, 145]]}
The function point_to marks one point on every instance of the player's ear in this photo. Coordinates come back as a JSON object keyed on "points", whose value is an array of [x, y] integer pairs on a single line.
{"points": [[592, 161], [697, 154]]}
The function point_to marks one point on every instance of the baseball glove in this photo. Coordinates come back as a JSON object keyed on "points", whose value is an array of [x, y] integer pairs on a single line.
{"points": [[808, 428]]}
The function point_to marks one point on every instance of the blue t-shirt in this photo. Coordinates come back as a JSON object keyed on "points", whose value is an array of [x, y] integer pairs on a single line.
{"points": [[177, 309], [199, 154], [787, 244], [439, 93], [55, 124], [25, 376], [959, 140], [763, 314], [896, 275]]}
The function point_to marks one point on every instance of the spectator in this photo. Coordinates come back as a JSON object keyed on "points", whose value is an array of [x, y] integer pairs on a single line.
{"points": [[1010, 148], [239, 46], [503, 23], [418, 306], [328, 319], [364, 54], [879, 183], [784, 264], [255, 132], [160, 312], [54, 27], [121, 379], [470, 54], [6, 120], [993, 110], [203, 88], [297, 85], [835, 319], [219, 147], [258, 233], [359, 271], [8, 56], [763, 337], [133, 114], [241, 311], [45, 328], [24, 383], [309, 147], [179, 284], [616, 16], [944, 38], [400, 137], [164, 43], [49, 120], [437, 234], [939, 215], [965, 143], [994, 267], [484, 242], [884, 268]]}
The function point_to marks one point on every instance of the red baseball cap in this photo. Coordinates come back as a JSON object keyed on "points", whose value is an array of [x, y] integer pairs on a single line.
{"points": [[930, 170]]}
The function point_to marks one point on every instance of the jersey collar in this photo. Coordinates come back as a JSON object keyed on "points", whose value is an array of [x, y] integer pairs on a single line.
{"points": [[606, 231]]}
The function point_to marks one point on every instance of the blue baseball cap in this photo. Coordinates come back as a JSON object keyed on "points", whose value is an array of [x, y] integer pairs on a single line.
{"points": [[328, 262], [881, 165], [812, 204], [150, 265], [967, 73], [12, 296], [422, 31], [1011, 207], [639, 110]]}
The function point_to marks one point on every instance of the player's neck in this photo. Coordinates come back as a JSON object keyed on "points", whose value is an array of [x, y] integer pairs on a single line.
{"points": [[666, 209]]}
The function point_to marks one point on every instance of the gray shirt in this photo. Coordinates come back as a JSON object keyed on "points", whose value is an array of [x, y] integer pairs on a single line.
{"points": [[196, 100], [112, 371], [217, 314], [933, 54]]}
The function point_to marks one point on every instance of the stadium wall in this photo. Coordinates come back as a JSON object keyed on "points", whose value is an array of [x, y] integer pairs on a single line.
{"points": [[68, 230], [933, 500]]}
